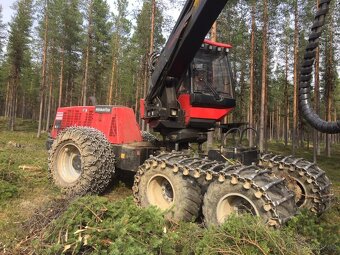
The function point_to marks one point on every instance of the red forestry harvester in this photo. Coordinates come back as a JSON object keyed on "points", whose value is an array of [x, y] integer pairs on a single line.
{"points": [[190, 92]]}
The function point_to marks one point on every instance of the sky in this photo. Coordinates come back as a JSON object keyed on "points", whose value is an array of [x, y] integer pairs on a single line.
{"points": [[6, 10]]}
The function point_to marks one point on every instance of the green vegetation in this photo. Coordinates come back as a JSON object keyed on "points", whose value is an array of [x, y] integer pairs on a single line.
{"points": [[35, 217], [320, 232], [24, 185], [98, 226], [94, 224], [22, 163]]}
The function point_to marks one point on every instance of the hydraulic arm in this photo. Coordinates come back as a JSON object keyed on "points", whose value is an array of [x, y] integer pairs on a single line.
{"points": [[306, 75], [185, 40], [192, 26]]}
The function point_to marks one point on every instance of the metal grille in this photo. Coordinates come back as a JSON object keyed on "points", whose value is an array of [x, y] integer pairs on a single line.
{"points": [[113, 129]]}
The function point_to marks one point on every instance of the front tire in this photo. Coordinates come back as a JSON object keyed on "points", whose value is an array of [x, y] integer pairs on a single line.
{"points": [[178, 195], [81, 161]]}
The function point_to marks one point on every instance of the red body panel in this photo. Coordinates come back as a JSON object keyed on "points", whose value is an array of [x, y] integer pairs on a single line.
{"points": [[142, 108], [217, 44], [192, 112], [117, 123]]}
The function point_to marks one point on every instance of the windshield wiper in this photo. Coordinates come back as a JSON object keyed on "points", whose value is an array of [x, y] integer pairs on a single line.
{"points": [[215, 93]]}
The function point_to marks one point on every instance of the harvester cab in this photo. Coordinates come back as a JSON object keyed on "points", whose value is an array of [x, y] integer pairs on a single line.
{"points": [[207, 89]]}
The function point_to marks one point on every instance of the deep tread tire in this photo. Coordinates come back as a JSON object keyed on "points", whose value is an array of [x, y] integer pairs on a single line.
{"points": [[187, 198], [97, 161], [275, 206], [271, 198], [148, 137], [307, 180]]}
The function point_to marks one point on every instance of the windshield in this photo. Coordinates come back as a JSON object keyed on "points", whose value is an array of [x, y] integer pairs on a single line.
{"points": [[211, 74]]}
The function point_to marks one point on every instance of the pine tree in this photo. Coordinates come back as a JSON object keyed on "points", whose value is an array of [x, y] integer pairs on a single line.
{"points": [[262, 135], [18, 47], [329, 76], [98, 50], [65, 36], [43, 69], [140, 42], [252, 75], [3, 65], [316, 145], [122, 27], [2, 35]]}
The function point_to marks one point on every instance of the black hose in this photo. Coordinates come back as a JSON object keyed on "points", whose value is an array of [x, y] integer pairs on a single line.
{"points": [[306, 75]]}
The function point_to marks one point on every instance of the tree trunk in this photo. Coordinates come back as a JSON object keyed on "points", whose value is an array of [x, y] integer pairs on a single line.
{"points": [[111, 88], [8, 99], [252, 75], [49, 105], [264, 78], [136, 95], [23, 105], [61, 78], [316, 146], [296, 85], [210, 137], [145, 79], [329, 82], [151, 49], [278, 132], [43, 73], [152, 31], [87, 59], [286, 99], [13, 97], [213, 32], [115, 50]]}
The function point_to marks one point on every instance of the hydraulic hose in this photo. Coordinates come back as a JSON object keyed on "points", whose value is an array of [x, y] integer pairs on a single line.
{"points": [[306, 75]]}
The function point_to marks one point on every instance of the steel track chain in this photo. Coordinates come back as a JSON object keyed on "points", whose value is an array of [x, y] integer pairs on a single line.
{"points": [[308, 173], [203, 168]]}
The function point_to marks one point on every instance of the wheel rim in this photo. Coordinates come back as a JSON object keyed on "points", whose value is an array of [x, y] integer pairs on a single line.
{"points": [[69, 163], [299, 190], [160, 192], [234, 203]]}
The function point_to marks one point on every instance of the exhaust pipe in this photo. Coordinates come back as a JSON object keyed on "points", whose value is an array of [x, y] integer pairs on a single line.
{"points": [[306, 75]]}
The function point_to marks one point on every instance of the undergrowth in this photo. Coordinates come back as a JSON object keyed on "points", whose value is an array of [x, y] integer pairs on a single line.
{"points": [[323, 232], [95, 225]]}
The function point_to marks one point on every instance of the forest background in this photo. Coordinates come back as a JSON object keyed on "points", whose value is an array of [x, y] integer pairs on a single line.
{"points": [[58, 53]]}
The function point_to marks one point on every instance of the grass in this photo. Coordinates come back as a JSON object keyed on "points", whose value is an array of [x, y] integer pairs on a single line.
{"points": [[25, 187]]}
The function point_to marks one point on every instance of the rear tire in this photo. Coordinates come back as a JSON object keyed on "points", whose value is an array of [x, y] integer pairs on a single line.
{"points": [[265, 196], [310, 184], [81, 161], [222, 200]]}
